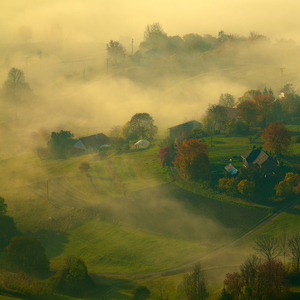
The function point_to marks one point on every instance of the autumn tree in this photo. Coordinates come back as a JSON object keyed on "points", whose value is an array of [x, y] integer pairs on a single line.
{"points": [[165, 155], [115, 51], [28, 255], [194, 284], [142, 124], [288, 186], [226, 100], [247, 110], [192, 159], [246, 187], [277, 138], [217, 113], [249, 95], [229, 185], [257, 280], [264, 106]]}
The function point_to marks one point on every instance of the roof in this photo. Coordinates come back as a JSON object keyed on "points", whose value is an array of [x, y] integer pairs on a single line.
{"points": [[188, 125], [231, 169], [94, 140], [256, 156]]}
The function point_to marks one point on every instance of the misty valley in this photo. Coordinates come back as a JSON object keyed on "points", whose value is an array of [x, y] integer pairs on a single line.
{"points": [[166, 169]]}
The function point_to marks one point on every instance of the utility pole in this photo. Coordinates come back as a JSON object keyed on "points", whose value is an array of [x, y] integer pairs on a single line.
{"points": [[107, 65], [47, 192], [281, 69]]}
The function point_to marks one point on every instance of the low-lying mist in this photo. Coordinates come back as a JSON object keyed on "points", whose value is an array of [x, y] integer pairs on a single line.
{"points": [[172, 211]]}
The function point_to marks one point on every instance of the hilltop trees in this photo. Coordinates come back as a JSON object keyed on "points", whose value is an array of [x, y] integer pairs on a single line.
{"points": [[192, 159], [115, 51]]}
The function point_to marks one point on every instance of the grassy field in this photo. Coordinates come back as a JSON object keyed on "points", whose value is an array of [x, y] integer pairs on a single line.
{"points": [[126, 216]]}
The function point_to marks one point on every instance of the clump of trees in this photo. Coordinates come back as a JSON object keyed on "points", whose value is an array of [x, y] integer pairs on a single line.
{"points": [[140, 126], [60, 144], [116, 51]]}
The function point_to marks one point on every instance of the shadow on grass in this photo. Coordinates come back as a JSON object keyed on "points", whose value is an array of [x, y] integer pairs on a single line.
{"points": [[53, 241], [114, 288]]}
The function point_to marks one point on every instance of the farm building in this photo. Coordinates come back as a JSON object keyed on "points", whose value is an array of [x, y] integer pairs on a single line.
{"points": [[231, 170], [141, 144], [176, 131], [90, 143], [261, 158]]}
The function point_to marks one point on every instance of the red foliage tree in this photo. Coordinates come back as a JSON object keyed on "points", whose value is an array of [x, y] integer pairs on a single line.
{"points": [[165, 154], [192, 159], [276, 138], [247, 110]]}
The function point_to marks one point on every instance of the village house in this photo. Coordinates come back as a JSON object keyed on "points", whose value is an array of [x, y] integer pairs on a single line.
{"points": [[90, 143], [259, 157], [176, 131]]}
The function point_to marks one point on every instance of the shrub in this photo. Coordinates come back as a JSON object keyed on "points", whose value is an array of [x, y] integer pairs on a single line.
{"points": [[165, 154], [28, 255], [84, 167], [228, 184], [246, 187], [72, 279]]}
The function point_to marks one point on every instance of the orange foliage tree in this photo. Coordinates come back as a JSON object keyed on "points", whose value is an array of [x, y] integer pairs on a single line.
{"points": [[276, 138], [192, 159]]}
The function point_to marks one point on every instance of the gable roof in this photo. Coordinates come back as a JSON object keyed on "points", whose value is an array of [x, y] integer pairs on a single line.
{"points": [[188, 125], [94, 140], [255, 156]]}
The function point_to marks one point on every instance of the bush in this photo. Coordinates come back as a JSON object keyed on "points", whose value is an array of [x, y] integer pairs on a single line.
{"points": [[84, 167], [73, 279], [246, 187], [28, 255], [141, 293]]}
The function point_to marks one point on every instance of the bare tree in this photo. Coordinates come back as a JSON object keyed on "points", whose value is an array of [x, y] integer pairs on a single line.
{"points": [[194, 284], [283, 246], [294, 246], [267, 246], [249, 270], [226, 100]]}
